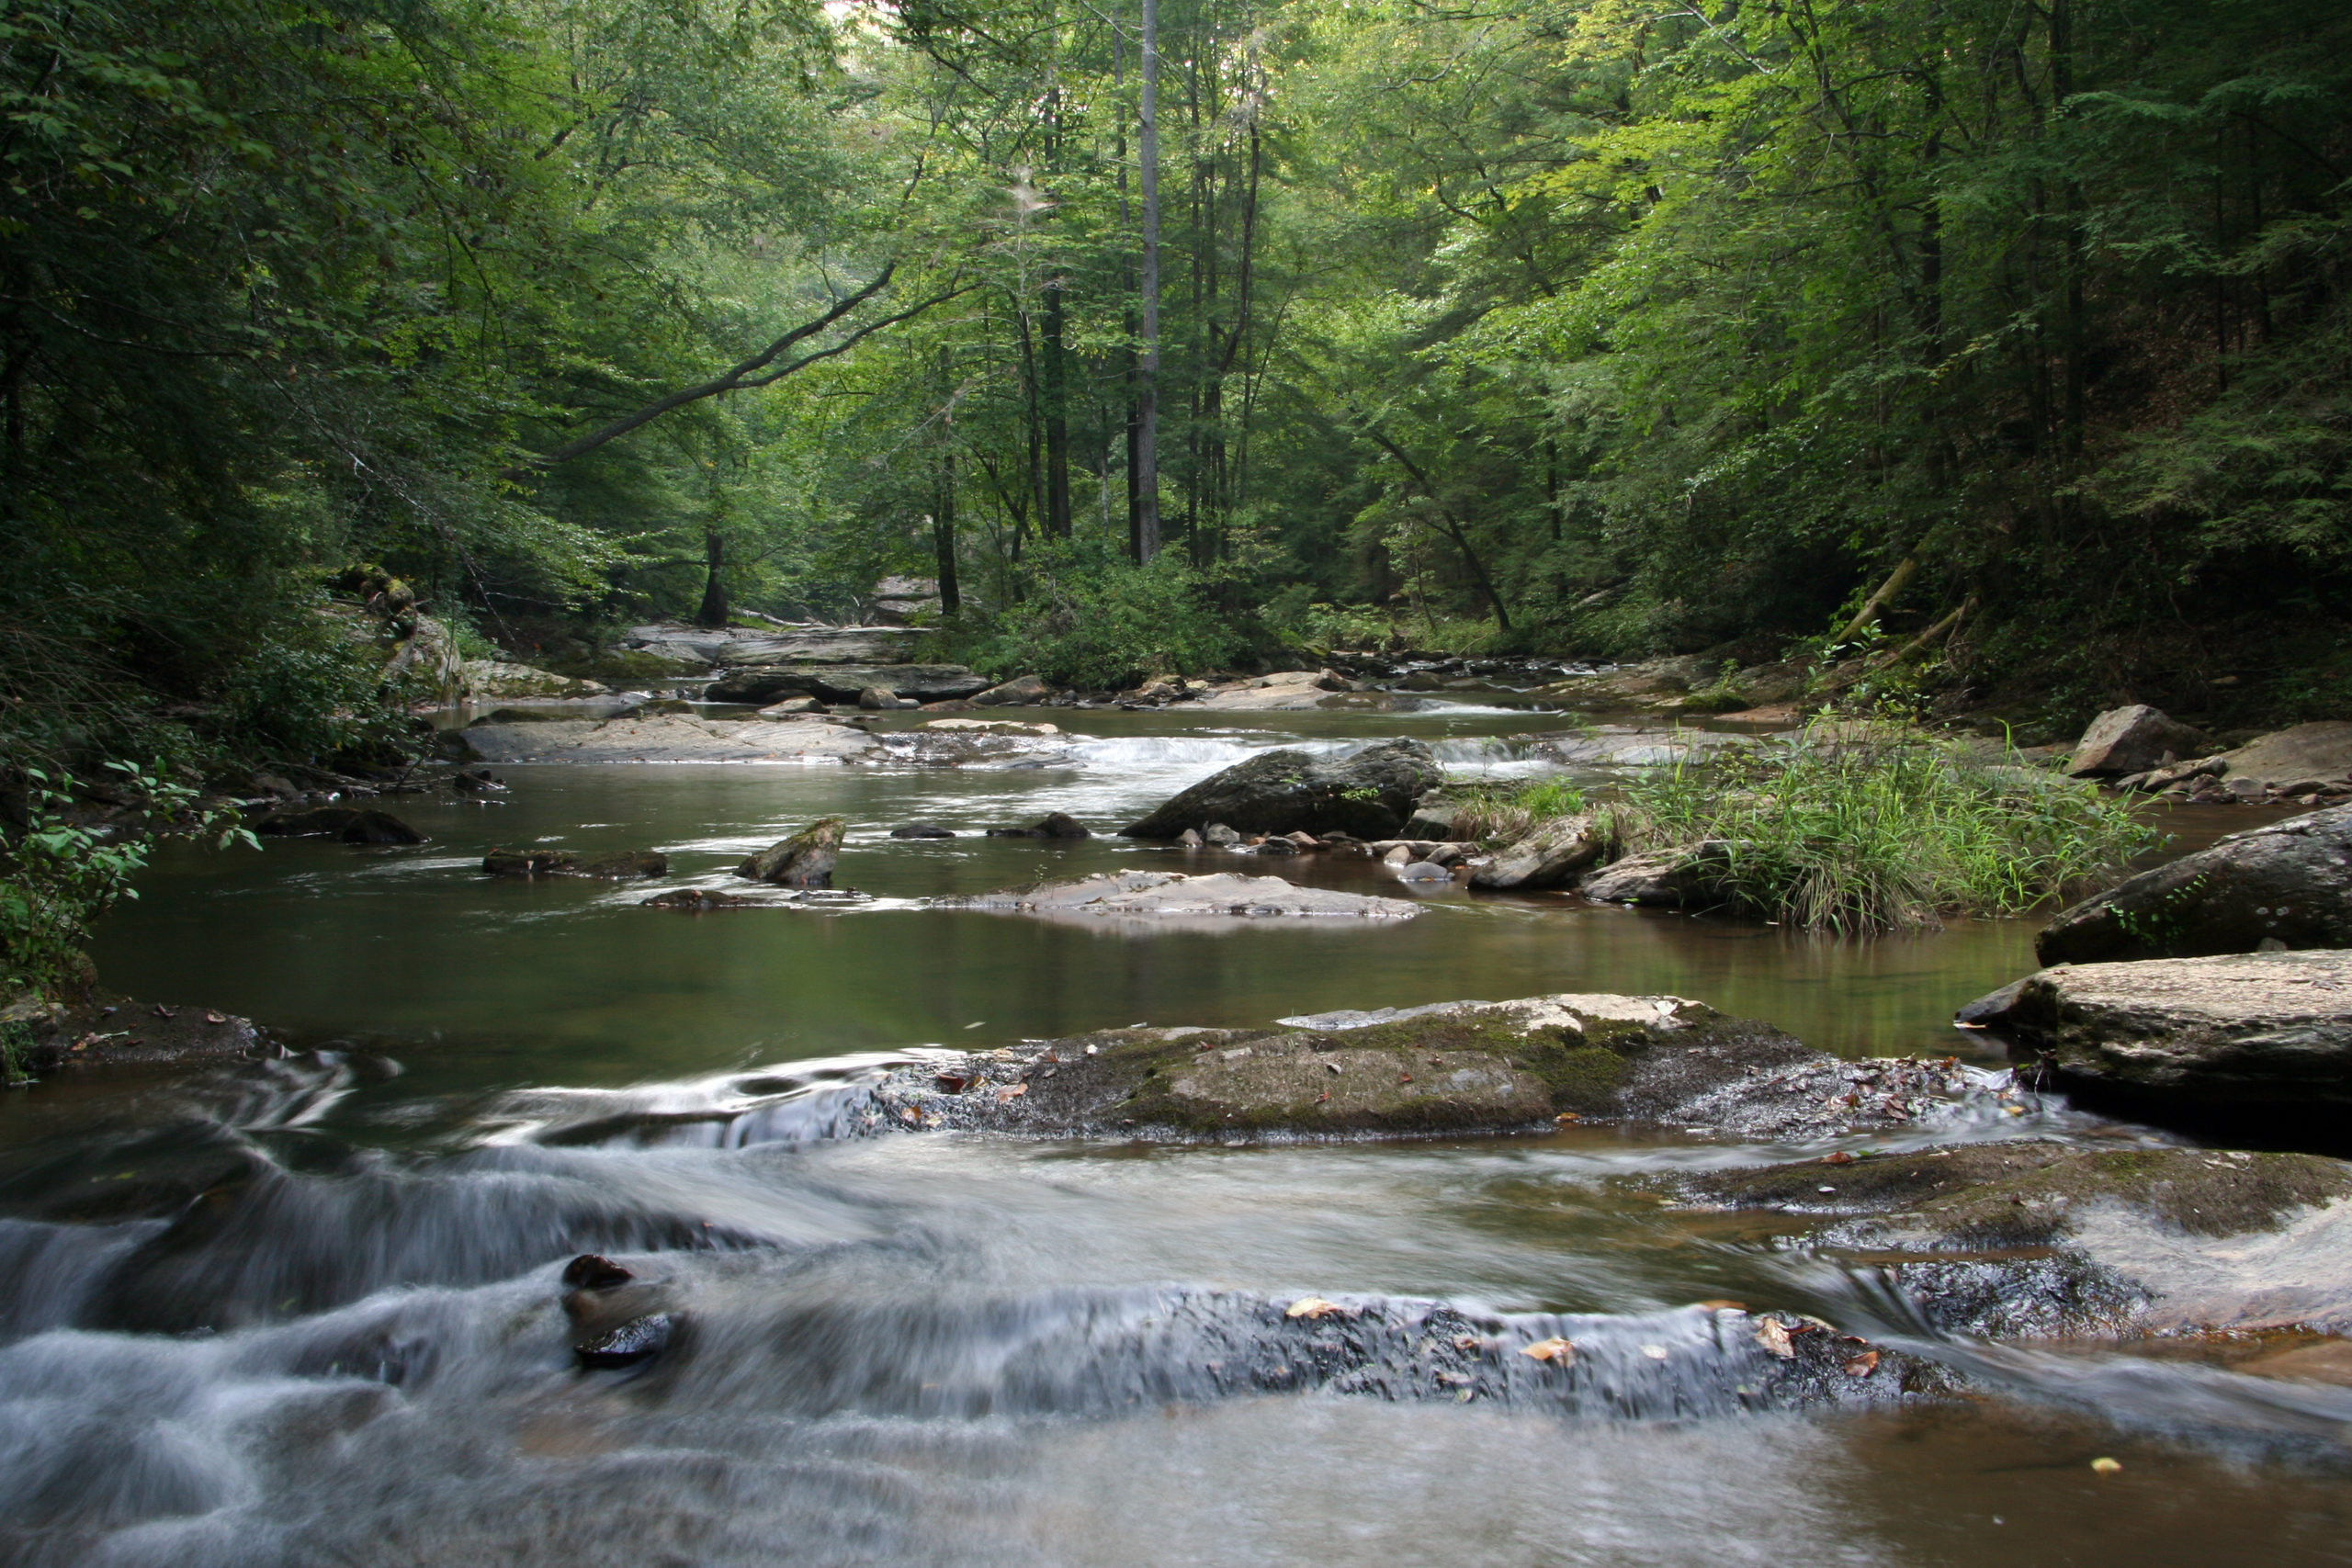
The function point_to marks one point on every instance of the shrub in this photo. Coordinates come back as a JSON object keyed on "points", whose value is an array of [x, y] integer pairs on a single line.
{"points": [[1506, 810], [1100, 624], [1886, 828]]}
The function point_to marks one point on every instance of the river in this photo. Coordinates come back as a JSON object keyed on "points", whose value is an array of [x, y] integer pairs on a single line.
{"points": [[305, 1312]]}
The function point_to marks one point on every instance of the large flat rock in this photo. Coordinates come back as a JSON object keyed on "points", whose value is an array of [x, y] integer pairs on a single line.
{"points": [[2287, 882], [2304, 753], [2190, 1038], [844, 682], [787, 645], [1173, 895], [1451, 1067], [671, 738]]}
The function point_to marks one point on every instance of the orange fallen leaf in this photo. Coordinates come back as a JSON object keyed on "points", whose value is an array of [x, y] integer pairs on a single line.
{"points": [[2104, 1466], [1468, 1342], [1774, 1336], [1555, 1350], [1009, 1092], [1721, 1306], [1862, 1365], [1567, 1116], [1840, 1158], [1313, 1306]]}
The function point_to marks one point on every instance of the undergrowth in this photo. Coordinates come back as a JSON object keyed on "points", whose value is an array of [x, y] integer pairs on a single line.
{"points": [[1894, 829], [1505, 809]]}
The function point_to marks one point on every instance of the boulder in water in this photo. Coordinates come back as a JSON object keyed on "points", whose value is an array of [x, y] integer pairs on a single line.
{"points": [[1550, 853], [1369, 793], [695, 901], [2188, 1040], [923, 830], [349, 826], [805, 860], [1669, 877], [1021, 691], [1055, 825], [2287, 882]]}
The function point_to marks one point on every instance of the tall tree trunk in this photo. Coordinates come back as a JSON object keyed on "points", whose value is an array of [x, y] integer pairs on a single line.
{"points": [[1147, 466], [713, 612], [1127, 363], [1057, 520], [942, 516]]}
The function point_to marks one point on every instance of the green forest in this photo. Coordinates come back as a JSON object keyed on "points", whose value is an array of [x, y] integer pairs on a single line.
{"points": [[1170, 337]]}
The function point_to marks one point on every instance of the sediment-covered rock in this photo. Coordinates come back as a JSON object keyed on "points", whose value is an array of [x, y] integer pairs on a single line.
{"points": [[1550, 853], [670, 738], [2038, 1239], [805, 860], [2190, 1039], [492, 677], [2287, 882], [1369, 793], [1451, 1067], [2320, 752], [846, 682], [2131, 740], [1020, 692], [52, 1037], [343, 823], [1669, 878], [1172, 896]]}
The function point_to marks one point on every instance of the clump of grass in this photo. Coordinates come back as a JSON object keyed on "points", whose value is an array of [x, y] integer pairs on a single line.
{"points": [[1884, 829], [1507, 808]]}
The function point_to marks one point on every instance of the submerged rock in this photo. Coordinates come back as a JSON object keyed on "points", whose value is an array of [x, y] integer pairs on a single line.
{"points": [[1055, 825], [2192, 1038], [693, 900], [349, 826], [623, 866], [2041, 1240], [923, 830], [1369, 794], [805, 860], [2289, 881]]}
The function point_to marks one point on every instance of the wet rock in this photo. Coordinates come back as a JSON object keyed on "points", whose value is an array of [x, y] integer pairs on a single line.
{"points": [[880, 699], [1369, 794], [1460, 1066], [593, 1271], [1056, 824], [1167, 899], [2132, 740], [1218, 835], [1672, 878], [695, 901], [343, 823], [1423, 871], [477, 781], [1020, 691], [640, 1339], [2188, 1039], [2039, 1240], [805, 860], [1275, 846], [52, 1037], [2288, 882], [791, 707], [529, 862], [1189, 840], [1431, 822], [923, 830], [1285, 691], [844, 683], [1551, 853]]}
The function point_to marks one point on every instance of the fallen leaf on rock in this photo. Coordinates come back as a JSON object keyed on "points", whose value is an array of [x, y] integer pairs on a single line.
{"points": [[216, 1018], [1009, 1092], [1468, 1342], [1840, 1158], [2105, 1466], [1654, 1352], [1774, 1336], [162, 1011], [1862, 1365], [1324, 1095], [1404, 1077], [1554, 1349], [951, 1083], [1313, 1306], [1721, 1306], [1566, 1116]]}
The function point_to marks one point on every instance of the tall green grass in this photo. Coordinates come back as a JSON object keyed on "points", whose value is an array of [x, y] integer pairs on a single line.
{"points": [[1878, 829], [1506, 809]]}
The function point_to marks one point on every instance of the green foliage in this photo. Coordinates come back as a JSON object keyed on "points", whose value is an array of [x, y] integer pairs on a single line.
{"points": [[1883, 831], [1503, 810], [58, 872], [1101, 624]]}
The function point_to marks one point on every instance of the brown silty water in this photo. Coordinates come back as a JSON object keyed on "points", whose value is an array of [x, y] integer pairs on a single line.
{"points": [[304, 1311]]}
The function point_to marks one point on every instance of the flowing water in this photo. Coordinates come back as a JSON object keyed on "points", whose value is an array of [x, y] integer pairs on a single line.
{"points": [[306, 1311]]}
